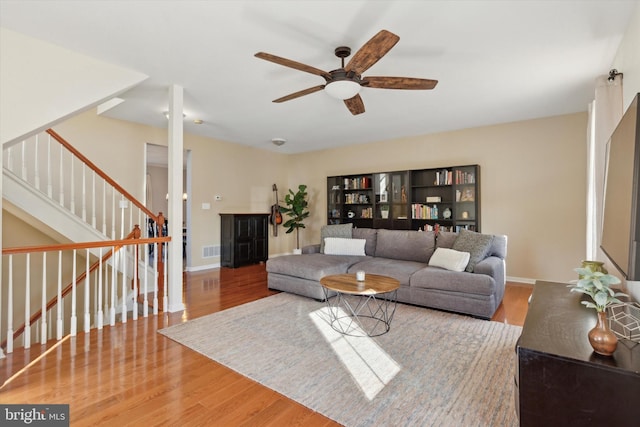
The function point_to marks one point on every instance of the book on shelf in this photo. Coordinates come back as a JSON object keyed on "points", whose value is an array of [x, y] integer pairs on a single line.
{"points": [[443, 177], [463, 177], [358, 183]]}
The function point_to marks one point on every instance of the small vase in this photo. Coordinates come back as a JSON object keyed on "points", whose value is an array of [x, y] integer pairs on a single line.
{"points": [[594, 266], [601, 338]]}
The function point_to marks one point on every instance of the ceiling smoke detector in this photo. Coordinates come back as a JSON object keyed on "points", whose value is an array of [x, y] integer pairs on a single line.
{"points": [[278, 141]]}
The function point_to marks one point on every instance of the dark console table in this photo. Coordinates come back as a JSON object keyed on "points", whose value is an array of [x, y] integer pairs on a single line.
{"points": [[559, 380]]}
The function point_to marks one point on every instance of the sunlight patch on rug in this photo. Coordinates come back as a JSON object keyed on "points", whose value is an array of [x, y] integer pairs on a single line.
{"points": [[366, 362]]}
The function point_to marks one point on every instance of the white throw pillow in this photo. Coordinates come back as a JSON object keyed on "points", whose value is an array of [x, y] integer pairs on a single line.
{"points": [[341, 246], [450, 259]]}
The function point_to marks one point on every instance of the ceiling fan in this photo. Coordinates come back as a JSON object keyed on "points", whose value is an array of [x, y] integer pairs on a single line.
{"points": [[345, 82]]}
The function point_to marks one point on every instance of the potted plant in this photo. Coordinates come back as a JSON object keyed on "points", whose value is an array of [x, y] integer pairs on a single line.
{"points": [[597, 285], [384, 211], [295, 209]]}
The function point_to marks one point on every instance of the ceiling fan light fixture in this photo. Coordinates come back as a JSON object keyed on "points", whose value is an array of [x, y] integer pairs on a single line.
{"points": [[342, 89]]}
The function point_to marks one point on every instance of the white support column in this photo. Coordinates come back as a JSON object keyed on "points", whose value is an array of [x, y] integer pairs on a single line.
{"points": [[176, 107]]}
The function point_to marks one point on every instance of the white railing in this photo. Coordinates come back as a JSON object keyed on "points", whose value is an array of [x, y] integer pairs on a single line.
{"points": [[49, 164], [31, 278], [73, 287]]}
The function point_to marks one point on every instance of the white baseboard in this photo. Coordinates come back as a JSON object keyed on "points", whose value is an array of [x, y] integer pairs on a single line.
{"points": [[521, 280]]}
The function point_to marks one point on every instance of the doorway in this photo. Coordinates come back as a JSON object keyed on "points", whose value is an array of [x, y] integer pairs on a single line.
{"points": [[157, 193]]}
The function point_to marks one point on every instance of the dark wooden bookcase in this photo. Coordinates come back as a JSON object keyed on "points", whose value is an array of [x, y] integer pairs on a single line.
{"points": [[447, 198]]}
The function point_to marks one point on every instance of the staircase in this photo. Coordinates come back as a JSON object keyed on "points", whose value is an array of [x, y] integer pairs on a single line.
{"points": [[107, 269]]}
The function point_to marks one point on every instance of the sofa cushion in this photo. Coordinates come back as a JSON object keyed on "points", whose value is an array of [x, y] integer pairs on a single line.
{"points": [[340, 246], [371, 235], [311, 266], [477, 244], [335, 230], [449, 259], [406, 245], [445, 239], [398, 269], [453, 281]]}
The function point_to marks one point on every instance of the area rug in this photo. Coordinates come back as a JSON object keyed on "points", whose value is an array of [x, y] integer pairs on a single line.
{"points": [[431, 369]]}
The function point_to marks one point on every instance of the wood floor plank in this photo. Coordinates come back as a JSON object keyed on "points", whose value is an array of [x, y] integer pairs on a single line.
{"points": [[129, 374]]}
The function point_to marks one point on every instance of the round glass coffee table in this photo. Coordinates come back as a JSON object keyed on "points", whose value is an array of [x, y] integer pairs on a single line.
{"points": [[361, 308]]}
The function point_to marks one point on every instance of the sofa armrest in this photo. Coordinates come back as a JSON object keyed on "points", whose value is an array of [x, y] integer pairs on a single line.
{"points": [[492, 266], [311, 249]]}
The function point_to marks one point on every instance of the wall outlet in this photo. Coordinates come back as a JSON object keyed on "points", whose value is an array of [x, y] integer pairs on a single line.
{"points": [[206, 206]]}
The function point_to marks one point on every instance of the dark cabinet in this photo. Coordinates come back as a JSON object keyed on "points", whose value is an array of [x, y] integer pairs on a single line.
{"points": [[244, 239], [559, 380]]}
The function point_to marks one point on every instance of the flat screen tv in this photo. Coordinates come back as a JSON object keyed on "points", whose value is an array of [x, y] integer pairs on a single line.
{"points": [[621, 220]]}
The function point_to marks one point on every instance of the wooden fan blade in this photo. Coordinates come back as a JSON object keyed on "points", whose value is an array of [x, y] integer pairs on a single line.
{"points": [[299, 94], [372, 51], [399, 83], [292, 64], [355, 105]]}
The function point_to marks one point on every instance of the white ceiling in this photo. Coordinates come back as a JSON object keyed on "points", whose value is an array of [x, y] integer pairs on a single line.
{"points": [[496, 61]]}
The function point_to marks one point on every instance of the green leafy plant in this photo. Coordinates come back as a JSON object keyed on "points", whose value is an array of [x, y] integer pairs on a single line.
{"points": [[296, 211], [598, 286]]}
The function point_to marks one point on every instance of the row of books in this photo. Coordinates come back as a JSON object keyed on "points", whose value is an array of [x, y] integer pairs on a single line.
{"points": [[463, 177], [352, 198], [359, 183], [443, 177], [437, 227], [420, 211]]}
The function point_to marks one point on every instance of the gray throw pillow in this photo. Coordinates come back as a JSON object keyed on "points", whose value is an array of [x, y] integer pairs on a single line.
{"points": [[335, 230], [476, 244]]}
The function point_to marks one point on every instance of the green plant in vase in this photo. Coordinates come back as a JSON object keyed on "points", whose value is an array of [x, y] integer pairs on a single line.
{"points": [[295, 209], [597, 285]]}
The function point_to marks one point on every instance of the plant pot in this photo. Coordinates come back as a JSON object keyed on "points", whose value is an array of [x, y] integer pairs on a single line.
{"points": [[594, 266], [297, 251], [384, 214], [601, 338]]}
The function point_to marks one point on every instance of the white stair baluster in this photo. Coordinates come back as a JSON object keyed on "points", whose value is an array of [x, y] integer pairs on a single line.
{"points": [[165, 296], [74, 319], [134, 312], [84, 192], [104, 207], [93, 200], [36, 164], [43, 316], [87, 285], [156, 276], [26, 336], [61, 183], [123, 253], [49, 172], [100, 317], [145, 307], [73, 185], [59, 330], [10, 307], [114, 271], [23, 167], [113, 214]]}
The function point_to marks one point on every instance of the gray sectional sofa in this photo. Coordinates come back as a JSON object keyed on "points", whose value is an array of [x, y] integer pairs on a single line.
{"points": [[405, 255]]}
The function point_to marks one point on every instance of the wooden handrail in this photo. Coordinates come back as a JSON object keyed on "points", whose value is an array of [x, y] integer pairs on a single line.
{"points": [[85, 245], [102, 174], [117, 244]]}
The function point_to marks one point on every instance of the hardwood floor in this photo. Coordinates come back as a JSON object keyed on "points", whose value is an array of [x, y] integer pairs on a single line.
{"points": [[135, 376]]}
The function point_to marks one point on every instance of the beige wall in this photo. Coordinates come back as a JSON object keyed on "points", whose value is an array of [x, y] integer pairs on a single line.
{"points": [[532, 184], [243, 176]]}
